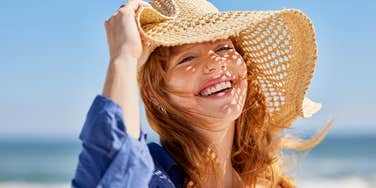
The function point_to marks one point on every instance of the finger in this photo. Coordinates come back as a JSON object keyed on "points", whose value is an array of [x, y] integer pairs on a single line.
{"points": [[146, 44], [145, 4], [132, 5], [135, 4], [115, 13], [107, 22], [121, 6]]}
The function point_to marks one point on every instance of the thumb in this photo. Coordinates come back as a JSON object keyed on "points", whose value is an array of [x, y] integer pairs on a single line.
{"points": [[147, 48]]}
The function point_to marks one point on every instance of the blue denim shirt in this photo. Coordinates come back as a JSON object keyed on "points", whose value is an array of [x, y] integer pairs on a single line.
{"points": [[111, 158]]}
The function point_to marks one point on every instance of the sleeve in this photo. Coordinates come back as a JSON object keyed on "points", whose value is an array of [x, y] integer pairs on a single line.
{"points": [[109, 156]]}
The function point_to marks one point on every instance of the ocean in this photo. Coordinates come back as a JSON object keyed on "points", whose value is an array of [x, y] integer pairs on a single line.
{"points": [[338, 161]]}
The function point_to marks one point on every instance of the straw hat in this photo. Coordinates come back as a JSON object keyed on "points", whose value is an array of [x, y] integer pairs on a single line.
{"points": [[280, 43]]}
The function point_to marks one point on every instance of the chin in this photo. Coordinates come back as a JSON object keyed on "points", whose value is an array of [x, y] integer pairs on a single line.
{"points": [[230, 116]]}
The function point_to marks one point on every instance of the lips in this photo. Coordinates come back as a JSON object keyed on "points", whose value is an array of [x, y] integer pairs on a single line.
{"points": [[222, 78]]}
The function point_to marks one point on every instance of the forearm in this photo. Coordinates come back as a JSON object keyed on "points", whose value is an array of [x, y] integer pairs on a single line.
{"points": [[121, 86]]}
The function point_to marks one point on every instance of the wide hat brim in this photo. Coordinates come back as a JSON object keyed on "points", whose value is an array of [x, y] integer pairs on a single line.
{"points": [[280, 43]]}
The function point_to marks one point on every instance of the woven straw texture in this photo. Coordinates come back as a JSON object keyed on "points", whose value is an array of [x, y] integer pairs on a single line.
{"points": [[280, 43]]}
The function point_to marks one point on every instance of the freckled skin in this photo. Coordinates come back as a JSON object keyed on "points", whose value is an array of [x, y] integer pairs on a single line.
{"points": [[209, 62]]}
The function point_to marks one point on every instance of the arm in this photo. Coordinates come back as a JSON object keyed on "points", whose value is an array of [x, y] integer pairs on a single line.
{"points": [[127, 53], [110, 157], [121, 86]]}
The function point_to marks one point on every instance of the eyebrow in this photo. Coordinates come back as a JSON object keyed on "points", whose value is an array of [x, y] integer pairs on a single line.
{"points": [[176, 52]]}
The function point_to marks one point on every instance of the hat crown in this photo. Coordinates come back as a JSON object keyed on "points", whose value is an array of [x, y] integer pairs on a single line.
{"points": [[184, 8]]}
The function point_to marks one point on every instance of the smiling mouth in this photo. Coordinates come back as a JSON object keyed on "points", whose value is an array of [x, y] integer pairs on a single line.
{"points": [[219, 89]]}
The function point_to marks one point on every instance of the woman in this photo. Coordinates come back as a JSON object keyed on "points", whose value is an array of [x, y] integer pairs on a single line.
{"points": [[218, 88]]}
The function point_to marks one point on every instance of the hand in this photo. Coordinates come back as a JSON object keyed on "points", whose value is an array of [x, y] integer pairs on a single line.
{"points": [[127, 53], [123, 37]]}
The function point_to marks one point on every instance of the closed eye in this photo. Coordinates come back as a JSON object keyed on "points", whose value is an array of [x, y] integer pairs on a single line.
{"points": [[186, 59], [224, 48], [191, 57]]}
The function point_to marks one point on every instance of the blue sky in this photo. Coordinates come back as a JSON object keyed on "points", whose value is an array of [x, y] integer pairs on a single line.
{"points": [[54, 57]]}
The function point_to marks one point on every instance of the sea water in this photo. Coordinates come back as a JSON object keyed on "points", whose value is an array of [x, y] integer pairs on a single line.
{"points": [[338, 161]]}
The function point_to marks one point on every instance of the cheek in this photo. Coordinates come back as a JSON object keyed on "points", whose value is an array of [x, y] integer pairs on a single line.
{"points": [[238, 64], [183, 77], [175, 81], [242, 67], [182, 80]]}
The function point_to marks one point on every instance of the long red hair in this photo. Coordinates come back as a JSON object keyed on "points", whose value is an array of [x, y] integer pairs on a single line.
{"points": [[255, 152]]}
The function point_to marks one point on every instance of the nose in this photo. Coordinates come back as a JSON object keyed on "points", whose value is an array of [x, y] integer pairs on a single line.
{"points": [[214, 63]]}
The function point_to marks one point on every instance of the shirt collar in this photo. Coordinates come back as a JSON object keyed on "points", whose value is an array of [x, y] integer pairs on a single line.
{"points": [[168, 164], [161, 155]]}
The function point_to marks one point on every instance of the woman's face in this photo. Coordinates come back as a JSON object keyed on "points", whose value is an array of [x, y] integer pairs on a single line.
{"points": [[208, 73]]}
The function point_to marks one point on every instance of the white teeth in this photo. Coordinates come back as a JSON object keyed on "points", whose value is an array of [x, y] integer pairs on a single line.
{"points": [[215, 88]]}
